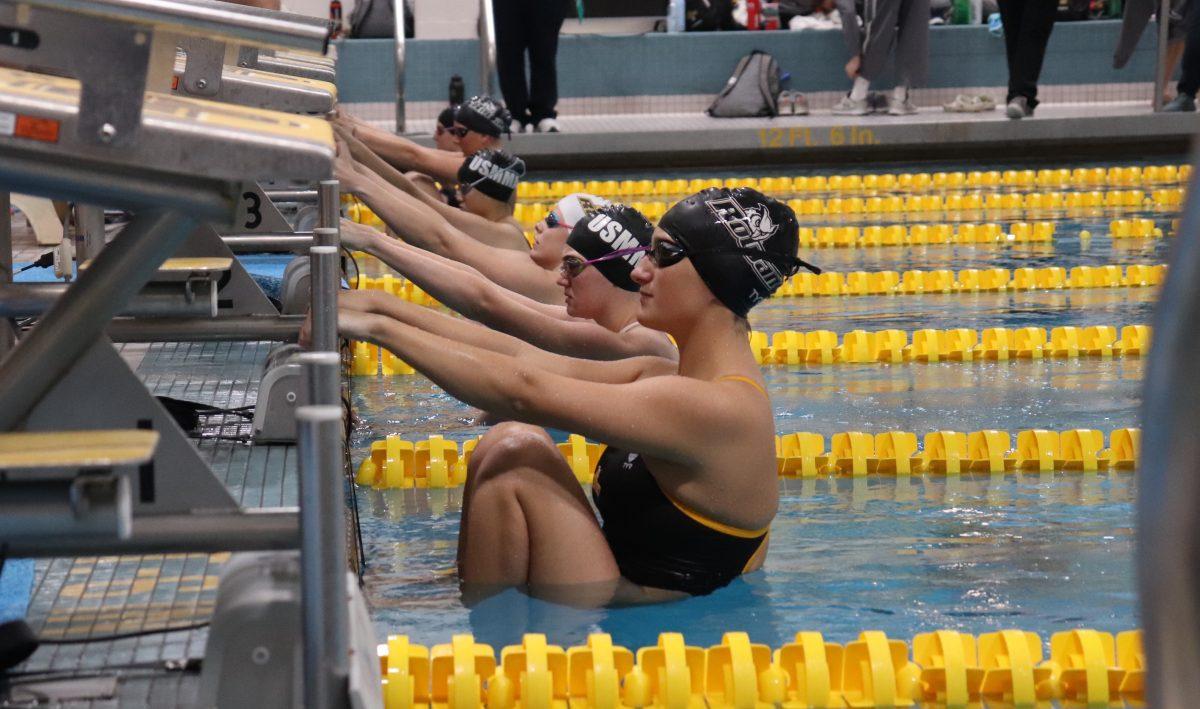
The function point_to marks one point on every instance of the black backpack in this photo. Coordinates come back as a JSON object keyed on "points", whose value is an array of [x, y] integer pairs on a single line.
{"points": [[377, 19], [752, 91]]}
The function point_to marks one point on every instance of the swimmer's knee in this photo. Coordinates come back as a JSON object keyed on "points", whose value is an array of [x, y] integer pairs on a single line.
{"points": [[511, 445]]}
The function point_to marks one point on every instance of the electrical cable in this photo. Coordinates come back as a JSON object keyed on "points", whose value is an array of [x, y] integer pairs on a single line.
{"points": [[44, 261], [350, 257]]}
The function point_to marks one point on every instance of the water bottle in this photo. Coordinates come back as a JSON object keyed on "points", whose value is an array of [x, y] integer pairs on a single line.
{"points": [[995, 25], [753, 14], [770, 15], [960, 12], [458, 92], [676, 15], [335, 18]]}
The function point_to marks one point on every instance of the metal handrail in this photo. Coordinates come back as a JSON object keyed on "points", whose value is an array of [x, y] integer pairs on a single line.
{"points": [[1168, 551], [487, 48], [211, 18], [400, 63]]}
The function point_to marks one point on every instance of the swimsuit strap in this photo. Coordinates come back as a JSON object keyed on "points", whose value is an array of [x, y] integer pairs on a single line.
{"points": [[628, 327], [748, 380]]}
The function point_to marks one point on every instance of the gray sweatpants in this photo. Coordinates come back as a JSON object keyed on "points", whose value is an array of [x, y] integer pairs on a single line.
{"points": [[902, 24]]}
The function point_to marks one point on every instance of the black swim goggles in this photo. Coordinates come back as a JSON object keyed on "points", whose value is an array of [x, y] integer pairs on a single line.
{"points": [[572, 266], [666, 253]]}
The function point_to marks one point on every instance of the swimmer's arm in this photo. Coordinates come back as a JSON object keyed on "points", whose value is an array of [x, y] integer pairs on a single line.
{"points": [[667, 417], [500, 235], [416, 224], [367, 158], [586, 339], [466, 291], [404, 154], [465, 332]]}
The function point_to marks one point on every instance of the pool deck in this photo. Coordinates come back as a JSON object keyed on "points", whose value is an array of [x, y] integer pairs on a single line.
{"points": [[78, 598], [623, 141]]}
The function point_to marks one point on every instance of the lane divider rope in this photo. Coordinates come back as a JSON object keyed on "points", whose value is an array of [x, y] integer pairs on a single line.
{"points": [[437, 463], [944, 668]]}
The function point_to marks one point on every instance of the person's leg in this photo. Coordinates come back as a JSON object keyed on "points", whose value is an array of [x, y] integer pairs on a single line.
{"points": [[1010, 17], [879, 32], [1189, 81], [1037, 22], [912, 43], [527, 523], [544, 27], [1174, 56], [510, 56]]}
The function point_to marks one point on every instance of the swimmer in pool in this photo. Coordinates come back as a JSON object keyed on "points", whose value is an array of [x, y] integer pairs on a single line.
{"points": [[532, 273], [444, 137], [598, 320], [687, 487], [485, 191], [480, 124]]}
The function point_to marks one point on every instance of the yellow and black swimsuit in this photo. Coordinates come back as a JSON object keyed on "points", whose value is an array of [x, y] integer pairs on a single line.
{"points": [[656, 540]]}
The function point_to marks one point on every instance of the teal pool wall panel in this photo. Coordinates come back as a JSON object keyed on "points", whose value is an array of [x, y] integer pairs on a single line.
{"points": [[699, 63]]}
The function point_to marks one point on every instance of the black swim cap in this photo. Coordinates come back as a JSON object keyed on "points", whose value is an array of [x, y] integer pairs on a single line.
{"points": [[484, 114], [495, 173], [613, 227], [448, 115], [742, 243]]}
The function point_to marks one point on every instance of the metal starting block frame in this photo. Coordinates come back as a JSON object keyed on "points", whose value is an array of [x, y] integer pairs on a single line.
{"points": [[173, 161], [202, 73], [308, 66], [99, 138]]}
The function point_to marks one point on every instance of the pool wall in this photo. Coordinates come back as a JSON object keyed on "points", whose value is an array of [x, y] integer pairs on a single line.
{"points": [[699, 63]]}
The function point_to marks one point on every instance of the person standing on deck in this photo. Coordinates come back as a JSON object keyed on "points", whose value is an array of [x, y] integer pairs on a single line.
{"points": [[902, 24], [529, 26], [1027, 27]]}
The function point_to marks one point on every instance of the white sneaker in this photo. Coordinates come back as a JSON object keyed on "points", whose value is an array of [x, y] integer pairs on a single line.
{"points": [[902, 108], [849, 107], [548, 125]]}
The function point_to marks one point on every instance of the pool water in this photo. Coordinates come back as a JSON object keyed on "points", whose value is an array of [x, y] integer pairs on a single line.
{"points": [[1041, 553], [904, 555]]}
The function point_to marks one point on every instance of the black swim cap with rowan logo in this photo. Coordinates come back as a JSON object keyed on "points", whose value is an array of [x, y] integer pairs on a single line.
{"points": [[742, 243]]}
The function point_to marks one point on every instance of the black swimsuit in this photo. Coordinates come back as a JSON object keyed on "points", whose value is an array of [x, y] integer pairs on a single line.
{"points": [[659, 542]]}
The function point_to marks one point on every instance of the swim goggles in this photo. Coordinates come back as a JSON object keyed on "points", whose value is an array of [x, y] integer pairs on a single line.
{"points": [[572, 266], [553, 219], [457, 131], [666, 253]]}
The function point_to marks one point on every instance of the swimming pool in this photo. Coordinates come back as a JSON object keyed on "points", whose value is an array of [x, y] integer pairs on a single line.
{"points": [[1042, 552]]}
